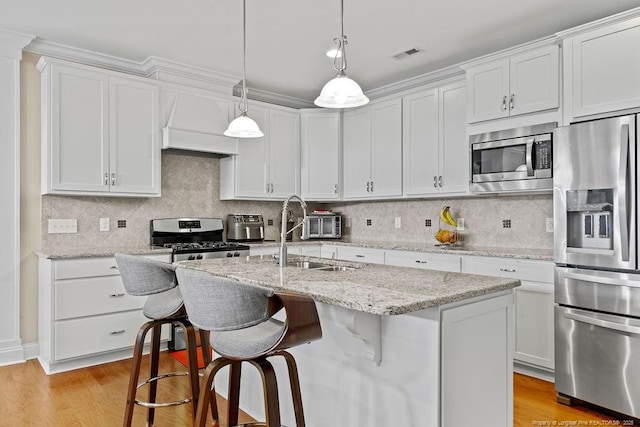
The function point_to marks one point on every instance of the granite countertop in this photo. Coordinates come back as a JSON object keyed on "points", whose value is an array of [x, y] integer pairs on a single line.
{"points": [[52, 253], [369, 288], [520, 253]]}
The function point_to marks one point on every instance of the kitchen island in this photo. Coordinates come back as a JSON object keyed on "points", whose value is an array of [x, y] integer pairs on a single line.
{"points": [[400, 346]]}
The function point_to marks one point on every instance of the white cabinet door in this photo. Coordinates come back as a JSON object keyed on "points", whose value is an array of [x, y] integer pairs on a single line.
{"points": [[134, 137], [386, 148], [605, 74], [76, 111], [489, 89], [453, 174], [251, 162], [534, 324], [357, 153], [320, 155], [420, 142], [284, 159], [534, 81]]}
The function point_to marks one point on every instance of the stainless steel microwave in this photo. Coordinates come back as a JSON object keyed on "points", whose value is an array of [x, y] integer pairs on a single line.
{"points": [[512, 160], [324, 226]]}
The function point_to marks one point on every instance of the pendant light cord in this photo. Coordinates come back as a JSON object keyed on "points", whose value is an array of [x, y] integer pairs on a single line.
{"points": [[243, 106], [341, 42]]}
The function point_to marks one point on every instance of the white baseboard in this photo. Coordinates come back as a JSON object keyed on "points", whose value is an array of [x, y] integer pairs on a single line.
{"points": [[533, 371]]}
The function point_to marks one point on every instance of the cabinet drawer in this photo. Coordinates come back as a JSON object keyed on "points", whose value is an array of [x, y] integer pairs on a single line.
{"points": [[536, 271], [306, 250], [349, 253], [93, 295], [428, 261], [92, 267], [264, 250], [80, 337]]}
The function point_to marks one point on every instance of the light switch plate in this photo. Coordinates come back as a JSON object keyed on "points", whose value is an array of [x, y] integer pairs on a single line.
{"points": [[460, 222], [398, 222], [63, 226], [549, 225], [104, 224]]}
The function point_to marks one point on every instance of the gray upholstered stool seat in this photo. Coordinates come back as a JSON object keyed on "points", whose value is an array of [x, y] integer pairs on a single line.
{"points": [[164, 305], [240, 318]]}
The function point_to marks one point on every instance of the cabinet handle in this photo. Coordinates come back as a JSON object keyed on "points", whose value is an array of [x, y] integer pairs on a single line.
{"points": [[116, 295], [508, 270], [421, 262], [359, 256], [106, 178], [114, 267], [121, 331], [372, 186], [272, 187], [368, 191], [504, 103], [511, 102], [440, 181], [336, 189], [113, 178], [267, 189]]}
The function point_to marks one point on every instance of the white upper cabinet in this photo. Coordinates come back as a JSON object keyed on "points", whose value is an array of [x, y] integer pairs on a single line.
{"points": [[602, 69], [267, 167], [320, 154], [521, 84], [435, 144], [100, 132], [372, 151]]}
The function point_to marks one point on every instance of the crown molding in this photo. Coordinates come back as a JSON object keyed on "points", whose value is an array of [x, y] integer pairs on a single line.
{"points": [[414, 82], [609, 20], [12, 43]]}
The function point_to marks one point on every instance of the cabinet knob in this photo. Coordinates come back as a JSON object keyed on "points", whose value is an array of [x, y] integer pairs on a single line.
{"points": [[511, 101], [504, 103]]}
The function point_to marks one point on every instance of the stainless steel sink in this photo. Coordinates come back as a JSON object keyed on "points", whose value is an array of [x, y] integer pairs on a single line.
{"points": [[310, 265]]}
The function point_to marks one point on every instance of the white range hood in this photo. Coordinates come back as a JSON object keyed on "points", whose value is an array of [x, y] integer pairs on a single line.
{"points": [[196, 121]]}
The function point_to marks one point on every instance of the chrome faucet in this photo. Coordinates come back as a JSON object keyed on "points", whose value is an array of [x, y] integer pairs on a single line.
{"points": [[282, 260]]}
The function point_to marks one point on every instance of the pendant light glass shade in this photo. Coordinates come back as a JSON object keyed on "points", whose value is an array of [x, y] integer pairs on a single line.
{"points": [[341, 91], [243, 126]]}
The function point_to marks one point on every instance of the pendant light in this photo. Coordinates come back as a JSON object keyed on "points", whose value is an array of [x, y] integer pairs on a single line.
{"points": [[243, 126], [341, 92]]}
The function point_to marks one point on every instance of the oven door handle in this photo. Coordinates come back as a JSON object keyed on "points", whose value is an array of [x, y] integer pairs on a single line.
{"points": [[602, 323], [530, 156]]}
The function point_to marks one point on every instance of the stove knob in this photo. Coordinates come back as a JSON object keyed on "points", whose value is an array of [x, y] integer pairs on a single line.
{"points": [[199, 257], [229, 254], [191, 258], [236, 254]]}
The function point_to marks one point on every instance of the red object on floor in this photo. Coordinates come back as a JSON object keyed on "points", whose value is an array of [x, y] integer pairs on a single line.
{"points": [[182, 357]]}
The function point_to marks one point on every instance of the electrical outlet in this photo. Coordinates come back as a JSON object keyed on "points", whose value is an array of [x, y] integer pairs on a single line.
{"points": [[398, 222], [460, 222], [549, 225], [104, 224], [63, 226]]}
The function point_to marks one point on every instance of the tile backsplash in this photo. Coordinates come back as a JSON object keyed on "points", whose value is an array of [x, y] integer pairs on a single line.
{"points": [[191, 187]]}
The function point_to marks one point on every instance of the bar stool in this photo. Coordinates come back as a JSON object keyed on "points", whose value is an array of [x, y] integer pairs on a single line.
{"points": [[164, 305], [239, 316]]}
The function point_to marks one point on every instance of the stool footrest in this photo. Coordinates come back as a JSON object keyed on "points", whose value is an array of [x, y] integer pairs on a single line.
{"points": [[162, 404]]}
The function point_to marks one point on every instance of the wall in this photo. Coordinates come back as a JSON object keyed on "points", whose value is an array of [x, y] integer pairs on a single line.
{"points": [[483, 217]]}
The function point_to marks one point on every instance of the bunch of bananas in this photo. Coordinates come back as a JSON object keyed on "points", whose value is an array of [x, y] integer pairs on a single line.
{"points": [[445, 236], [446, 216]]}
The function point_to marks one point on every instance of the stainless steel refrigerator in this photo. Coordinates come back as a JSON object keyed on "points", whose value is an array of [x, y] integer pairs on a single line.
{"points": [[597, 282]]}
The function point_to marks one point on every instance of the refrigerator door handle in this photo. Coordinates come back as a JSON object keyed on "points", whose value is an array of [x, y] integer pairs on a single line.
{"points": [[595, 279], [588, 319], [623, 174]]}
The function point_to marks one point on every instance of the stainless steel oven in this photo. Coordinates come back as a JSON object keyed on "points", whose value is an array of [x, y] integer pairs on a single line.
{"points": [[512, 160]]}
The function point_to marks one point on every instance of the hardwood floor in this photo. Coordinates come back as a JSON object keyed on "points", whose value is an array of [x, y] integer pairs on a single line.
{"points": [[95, 397]]}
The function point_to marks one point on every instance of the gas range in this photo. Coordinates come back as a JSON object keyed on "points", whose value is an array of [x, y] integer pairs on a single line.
{"points": [[194, 238]]}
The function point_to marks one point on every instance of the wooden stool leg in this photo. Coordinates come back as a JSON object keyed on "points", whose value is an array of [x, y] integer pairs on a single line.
{"points": [[135, 373], [206, 393], [153, 371], [294, 381], [205, 347], [270, 389], [233, 402], [192, 353]]}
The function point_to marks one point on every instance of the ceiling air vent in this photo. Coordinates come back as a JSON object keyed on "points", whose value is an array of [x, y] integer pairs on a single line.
{"points": [[407, 53]]}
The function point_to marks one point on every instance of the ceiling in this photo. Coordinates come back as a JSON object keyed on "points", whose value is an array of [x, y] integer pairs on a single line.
{"points": [[287, 39]]}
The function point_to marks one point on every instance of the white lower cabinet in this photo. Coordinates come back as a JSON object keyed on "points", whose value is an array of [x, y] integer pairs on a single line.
{"points": [[85, 315], [533, 305], [426, 260], [354, 253]]}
